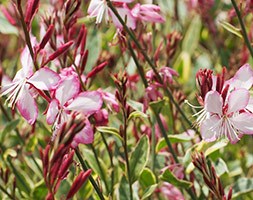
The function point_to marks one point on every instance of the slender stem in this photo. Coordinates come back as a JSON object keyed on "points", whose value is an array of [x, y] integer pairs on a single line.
{"points": [[77, 71], [151, 64], [139, 68], [100, 167], [126, 153], [7, 193], [244, 32], [85, 168], [153, 145], [111, 160], [162, 129], [27, 35]]}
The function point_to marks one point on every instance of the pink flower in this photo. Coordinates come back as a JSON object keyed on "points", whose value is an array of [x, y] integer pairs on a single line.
{"points": [[19, 89], [148, 13], [100, 9], [227, 117], [67, 99], [171, 192]]}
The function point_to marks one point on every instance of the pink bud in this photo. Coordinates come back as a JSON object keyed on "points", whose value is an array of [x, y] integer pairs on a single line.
{"points": [[66, 163], [79, 181], [96, 69], [8, 16], [62, 49], [46, 38], [31, 10]]}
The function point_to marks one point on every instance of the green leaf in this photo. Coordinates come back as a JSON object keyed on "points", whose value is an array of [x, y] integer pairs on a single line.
{"points": [[6, 27], [157, 105], [173, 139], [135, 105], [183, 66], [124, 192], [242, 186], [218, 145], [149, 191], [191, 39], [33, 141], [9, 152], [40, 191], [229, 27], [94, 48], [8, 128], [137, 114], [89, 156], [220, 167], [169, 177], [147, 178], [109, 130], [139, 158]]}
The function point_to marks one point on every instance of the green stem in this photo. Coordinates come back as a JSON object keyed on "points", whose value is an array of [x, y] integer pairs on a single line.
{"points": [[85, 168], [126, 154], [244, 33], [100, 167], [111, 161], [6, 192], [151, 64]]}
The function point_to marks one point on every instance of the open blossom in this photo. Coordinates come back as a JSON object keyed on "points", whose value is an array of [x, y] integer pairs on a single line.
{"points": [[66, 99], [100, 9], [20, 89], [227, 106], [146, 12]]}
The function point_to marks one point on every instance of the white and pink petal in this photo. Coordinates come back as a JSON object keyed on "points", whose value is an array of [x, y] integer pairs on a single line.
{"points": [[44, 79], [86, 102], [238, 100], [52, 112], [27, 106], [68, 88], [213, 102]]}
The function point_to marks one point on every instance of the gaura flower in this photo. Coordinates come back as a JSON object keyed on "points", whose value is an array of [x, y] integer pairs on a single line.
{"points": [[227, 118], [148, 13], [227, 105], [100, 9], [19, 89], [68, 99]]}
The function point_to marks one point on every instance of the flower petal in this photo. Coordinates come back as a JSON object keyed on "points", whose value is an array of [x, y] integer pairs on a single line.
{"points": [[26, 62], [85, 136], [86, 102], [52, 111], [210, 128], [243, 78], [213, 102], [243, 123], [237, 100], [67, 89], [44, 79], [27, 106], [125, 13]]}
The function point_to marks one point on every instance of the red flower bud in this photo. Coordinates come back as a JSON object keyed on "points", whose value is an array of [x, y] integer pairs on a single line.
{"points": [[62, 49], [31, 10], [79, 181], [96, 69], [46, 38]]}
